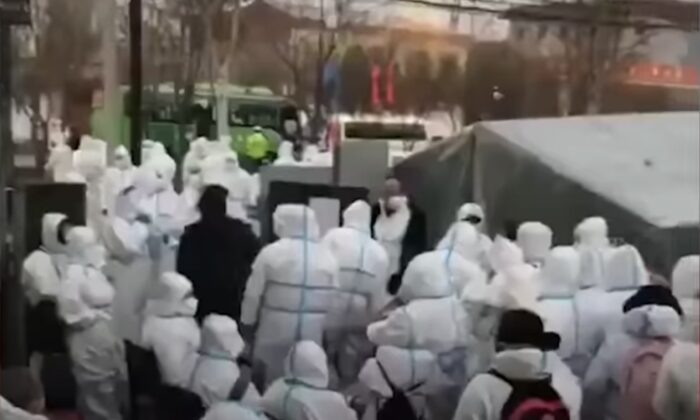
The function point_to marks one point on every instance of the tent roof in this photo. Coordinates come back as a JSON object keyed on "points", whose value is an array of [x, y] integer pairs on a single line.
{"points": [[647, 163]]}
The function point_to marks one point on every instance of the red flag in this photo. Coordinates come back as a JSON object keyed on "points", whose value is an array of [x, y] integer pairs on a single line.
{"points": [[376, 86]]}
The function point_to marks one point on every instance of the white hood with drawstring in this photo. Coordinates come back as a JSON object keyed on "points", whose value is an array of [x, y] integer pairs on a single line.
{"points": [[292, 287], [603, 379], [686, 288], [169, 329], [302, 393], [216, 369]]}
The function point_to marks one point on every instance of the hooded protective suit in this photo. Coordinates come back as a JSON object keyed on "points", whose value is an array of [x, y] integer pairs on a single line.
{"points": [[485, 396], [41, 274], [303, 394], [158, 204], [84, 304], [364, 272], [678, 383], [390, 230], [42, 268], [170, 330], [603, 379], [223, 169], [535, 239], [91, 162], [459, 252], [414, 370], [292, 287], [429, 296], [118, 177], [559, 308], [686, 288], [192, 162], [473, 214], [216, 370], [624, 274]]}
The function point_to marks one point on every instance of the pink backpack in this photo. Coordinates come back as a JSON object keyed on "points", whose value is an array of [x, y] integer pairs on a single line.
{"points": [[639, 380]]}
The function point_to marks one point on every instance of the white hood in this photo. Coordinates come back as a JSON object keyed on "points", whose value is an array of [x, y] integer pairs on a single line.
{"points": [[515, 287], [122, 159], [405, 368], [535, 239], [686, 277], [307, 363], [504, 254], [49, 232], [471, 209], [358, 216], [426, 277], [220, 338], [295, 221], [520, 364], [560, 272], [624, 269], [592, 262], [593, 232], [172, 297], [652, 321], [462, 238]]}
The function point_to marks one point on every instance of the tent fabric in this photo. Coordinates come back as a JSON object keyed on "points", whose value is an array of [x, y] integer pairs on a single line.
{"points": [[639, 171]]}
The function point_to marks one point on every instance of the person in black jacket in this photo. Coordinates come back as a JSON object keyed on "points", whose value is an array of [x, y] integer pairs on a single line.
{"points": [[216, 255], [400, 226]]}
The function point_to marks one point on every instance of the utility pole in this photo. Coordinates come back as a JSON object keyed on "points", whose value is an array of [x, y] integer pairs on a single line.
{"points": [[136, 75]]}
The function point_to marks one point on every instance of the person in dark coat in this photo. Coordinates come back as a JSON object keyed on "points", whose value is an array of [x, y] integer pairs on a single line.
{"points": [[401, 227], [216, 254]]}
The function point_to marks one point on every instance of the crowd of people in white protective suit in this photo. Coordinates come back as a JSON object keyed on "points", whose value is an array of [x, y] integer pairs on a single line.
{"points": [[479, 329]]}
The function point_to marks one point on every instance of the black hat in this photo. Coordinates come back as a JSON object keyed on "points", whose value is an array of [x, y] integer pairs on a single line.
{"points": [[524, 328], [652, 295]]}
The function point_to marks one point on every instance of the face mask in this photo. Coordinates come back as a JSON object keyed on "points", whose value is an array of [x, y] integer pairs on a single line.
{"points": [[394, 204]]}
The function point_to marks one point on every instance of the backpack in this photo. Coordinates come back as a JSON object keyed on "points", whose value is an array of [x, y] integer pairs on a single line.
{"points": [[398, 406], [532, 399], [639, 372]]}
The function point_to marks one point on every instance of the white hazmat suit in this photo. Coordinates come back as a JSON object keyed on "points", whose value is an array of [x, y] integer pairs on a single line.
{"points": [[170, 330], [686, 288], [473, 213], [303, 394], [604, 380], [118, 177], [84, 303], [560, 310], [364, 273], [223, 169], [41, 270], [217, 370], [291, 289]]}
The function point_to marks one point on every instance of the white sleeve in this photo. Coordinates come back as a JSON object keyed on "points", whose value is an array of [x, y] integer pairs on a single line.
{"points": [[254, 289], [473, 405], [381, 295], [71, 306]]}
